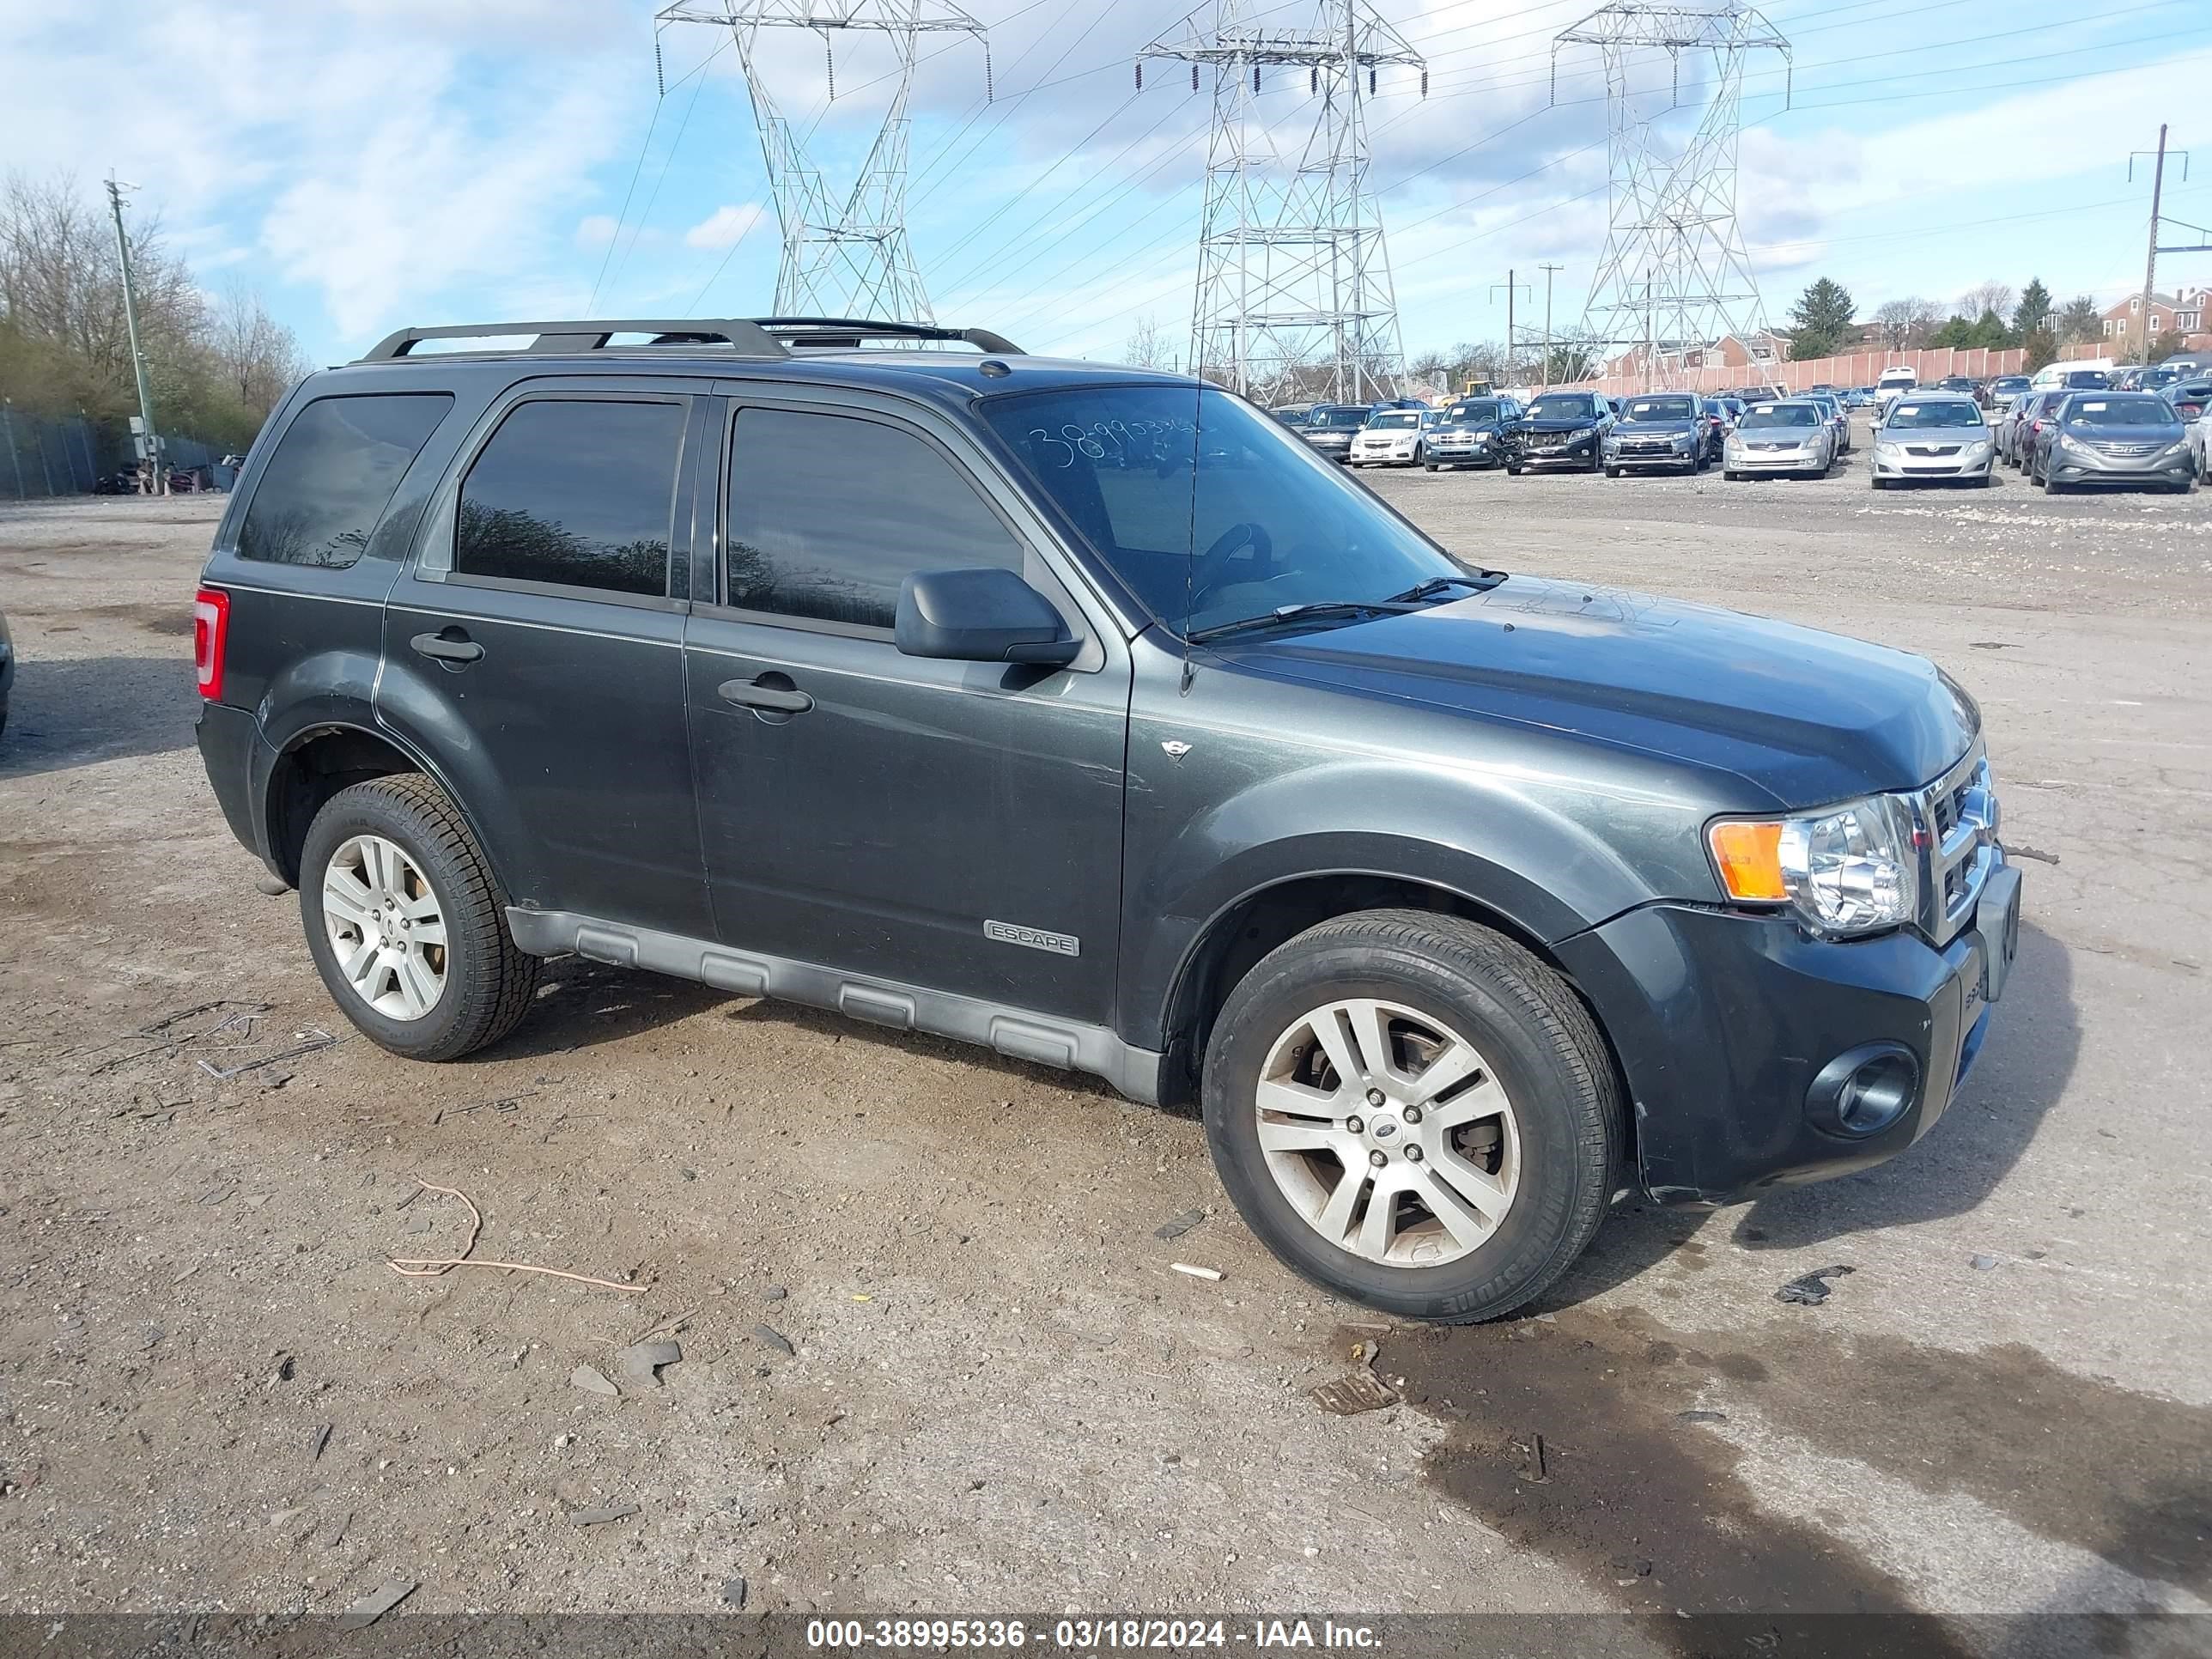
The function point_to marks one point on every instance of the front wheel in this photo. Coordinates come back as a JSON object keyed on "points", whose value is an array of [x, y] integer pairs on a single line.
{"points": [[1612, 472], [1413, 1112], [405, 921], [1431, 465], [1511, 470]]}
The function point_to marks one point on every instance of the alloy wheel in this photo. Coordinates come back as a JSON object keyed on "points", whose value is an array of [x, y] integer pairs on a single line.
{"points": [[386, 926], [1387, 1132]]}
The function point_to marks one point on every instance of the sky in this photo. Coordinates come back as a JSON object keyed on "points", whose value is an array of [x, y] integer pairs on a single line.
{"points": [[369, 164]]}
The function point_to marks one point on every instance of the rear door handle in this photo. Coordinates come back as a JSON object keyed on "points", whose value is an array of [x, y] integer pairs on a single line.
{"points": [[450, 646], [754, 694]]}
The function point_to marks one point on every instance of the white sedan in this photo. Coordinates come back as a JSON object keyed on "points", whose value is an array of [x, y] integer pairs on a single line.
{"points": [[1392, 437]]}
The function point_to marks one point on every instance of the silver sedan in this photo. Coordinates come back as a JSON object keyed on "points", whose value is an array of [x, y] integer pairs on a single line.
{"points": [[1940, 439], [1790, 436]]}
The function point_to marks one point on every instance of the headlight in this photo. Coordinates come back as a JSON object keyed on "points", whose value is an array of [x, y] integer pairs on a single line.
{"points": [[1579, 433], [2067, 442], [2181, 448], [1886, 447], [1979, 448], [1847, 871]]}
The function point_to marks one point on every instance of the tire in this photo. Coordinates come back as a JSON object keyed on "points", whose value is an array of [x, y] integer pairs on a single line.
{"points": [[1612, 472], [1730, 474], [1874, 483], [2052, 486], [1551, 1151], [485, 983], [1982, 482], [1431, 465], [1511, 470]]}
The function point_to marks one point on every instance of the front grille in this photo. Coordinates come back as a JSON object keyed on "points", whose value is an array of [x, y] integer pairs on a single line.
{"points": [[1957, 817], [1546, 439], [1647, 447], [1931, 449], [2121, 450]]}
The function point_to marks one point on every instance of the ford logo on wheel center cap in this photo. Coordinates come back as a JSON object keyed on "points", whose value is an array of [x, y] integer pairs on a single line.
{"points": [[1384, 1131]]}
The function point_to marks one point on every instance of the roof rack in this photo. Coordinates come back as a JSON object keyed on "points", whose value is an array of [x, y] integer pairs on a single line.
{"points": [[846, 333], [748, 338]]}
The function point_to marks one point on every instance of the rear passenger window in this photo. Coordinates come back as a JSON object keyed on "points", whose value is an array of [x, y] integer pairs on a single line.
{"points": [[828, 514], [334, 470], [575, 493]]}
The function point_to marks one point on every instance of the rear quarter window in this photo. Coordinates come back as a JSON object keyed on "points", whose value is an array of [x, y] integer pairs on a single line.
{"points": [[333, 472]]}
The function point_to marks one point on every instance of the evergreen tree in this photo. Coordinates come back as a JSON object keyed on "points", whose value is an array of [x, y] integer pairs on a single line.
{"points": [[1821, 321], [2032, 314]]}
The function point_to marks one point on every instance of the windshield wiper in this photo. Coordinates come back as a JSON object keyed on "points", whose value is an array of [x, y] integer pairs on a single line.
{"points": [[1311, 612], [1435, 585]]}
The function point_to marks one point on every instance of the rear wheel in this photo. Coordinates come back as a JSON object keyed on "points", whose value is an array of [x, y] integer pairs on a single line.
{"points": [[405, 923], [1413, 1112]]}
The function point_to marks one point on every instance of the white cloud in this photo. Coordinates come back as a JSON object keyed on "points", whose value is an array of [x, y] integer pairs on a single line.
{"points": [[594, 231], [725, 226]]}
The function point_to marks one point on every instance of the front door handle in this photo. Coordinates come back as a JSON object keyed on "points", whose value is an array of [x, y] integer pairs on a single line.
{"points": [[764, 694], [449, 645]]}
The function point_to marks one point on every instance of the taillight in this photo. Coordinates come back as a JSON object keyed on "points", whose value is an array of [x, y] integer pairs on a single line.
{"points": [[210, 636]]}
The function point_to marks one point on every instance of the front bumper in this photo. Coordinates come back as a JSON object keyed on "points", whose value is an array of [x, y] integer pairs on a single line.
{"points": [[1473, 451], [1336, 451], [1671, 456], [1939, 466], [1774, 460], [2065, 467], [1382, 455], [1723, 1022], [1536, 454]]}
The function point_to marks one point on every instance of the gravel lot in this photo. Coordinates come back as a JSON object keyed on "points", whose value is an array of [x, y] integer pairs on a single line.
{"points": [[215, 1393]]}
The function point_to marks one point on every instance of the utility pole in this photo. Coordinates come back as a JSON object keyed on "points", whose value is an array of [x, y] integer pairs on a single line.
{"points": [[2150, 262], [160, 475], [1549, 271], [1512, 340]]}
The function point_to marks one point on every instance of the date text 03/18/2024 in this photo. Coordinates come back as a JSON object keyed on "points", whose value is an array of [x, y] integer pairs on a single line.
{"points": [[1078, 1635]]}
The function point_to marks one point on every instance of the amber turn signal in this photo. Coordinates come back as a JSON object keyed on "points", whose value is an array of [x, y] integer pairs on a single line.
{"points": [[1747, 852]]}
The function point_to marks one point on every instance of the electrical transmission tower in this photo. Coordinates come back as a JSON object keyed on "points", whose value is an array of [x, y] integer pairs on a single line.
{"points": [[1293, 295], [1674, 276], [849, 258]]}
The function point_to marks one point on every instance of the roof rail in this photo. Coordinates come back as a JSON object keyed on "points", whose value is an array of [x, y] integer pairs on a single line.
{"points": [[746, 337], [847, 332]]}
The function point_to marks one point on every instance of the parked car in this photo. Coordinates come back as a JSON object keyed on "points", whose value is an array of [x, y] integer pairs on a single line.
{"points": [[1933, 438], [1727, 410], [1562, 428], [2016, 434], [6, 669], [1838, 419], [2060, 377], [2200, 438], [1329, 428], [2189, 397], [2113, 437], [847, 676], [1894, 380], [1292, 414], [1997, 395], [2152, 377], [1392, 437], [1859, 397], [1669, 429], [1790, 436], [1472, 433]]}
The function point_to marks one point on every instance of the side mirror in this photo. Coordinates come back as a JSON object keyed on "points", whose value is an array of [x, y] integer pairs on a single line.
{"points": [[980, 616]]}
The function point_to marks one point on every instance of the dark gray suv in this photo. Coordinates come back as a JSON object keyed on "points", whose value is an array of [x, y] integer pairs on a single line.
{"points": [[1086, 714]]}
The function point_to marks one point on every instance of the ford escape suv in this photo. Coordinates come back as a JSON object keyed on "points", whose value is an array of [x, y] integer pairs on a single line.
{"points": [[1089, 715]]}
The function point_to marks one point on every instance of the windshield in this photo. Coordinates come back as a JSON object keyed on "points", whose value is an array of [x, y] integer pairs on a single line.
{"points": [[1340, 420], [1482, 408], [2121, 409], [1271, 524], [2008, 383], [1394, 423], [2087, 379], [1781, 415], [1560, 409], [1949, 411], [1662, 409]]}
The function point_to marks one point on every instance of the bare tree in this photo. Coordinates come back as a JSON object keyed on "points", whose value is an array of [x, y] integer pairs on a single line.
{"points": [[1907, 322], [1148, 346], [259, 357], [1992, 295]]}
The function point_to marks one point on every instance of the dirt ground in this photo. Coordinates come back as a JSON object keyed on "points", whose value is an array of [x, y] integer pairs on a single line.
{"points": [[933, 1355]]}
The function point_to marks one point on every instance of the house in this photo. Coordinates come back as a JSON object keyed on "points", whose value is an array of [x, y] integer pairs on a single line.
{"points": [[2130, 333]]}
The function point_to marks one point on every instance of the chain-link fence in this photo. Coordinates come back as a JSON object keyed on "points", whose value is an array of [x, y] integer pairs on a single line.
{"points": [[40, 458]]}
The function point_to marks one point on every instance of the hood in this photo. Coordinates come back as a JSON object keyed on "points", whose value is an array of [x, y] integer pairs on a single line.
{"points": [[1491, 425], [1557, 422], [1803, 717], [1671, 426], [2150, 432]]}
